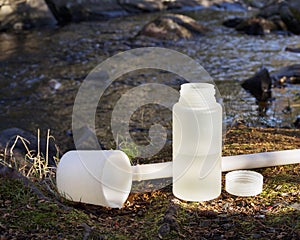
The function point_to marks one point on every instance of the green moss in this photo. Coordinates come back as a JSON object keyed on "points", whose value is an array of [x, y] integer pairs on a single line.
{"points": [[26, 215]]}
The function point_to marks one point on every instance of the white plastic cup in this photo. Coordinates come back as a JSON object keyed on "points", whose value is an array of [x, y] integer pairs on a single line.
{"points": [[244, 183], [95, 177]]}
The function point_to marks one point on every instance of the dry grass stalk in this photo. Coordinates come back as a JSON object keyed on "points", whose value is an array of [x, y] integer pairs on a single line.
{"points": [[33, 165]]}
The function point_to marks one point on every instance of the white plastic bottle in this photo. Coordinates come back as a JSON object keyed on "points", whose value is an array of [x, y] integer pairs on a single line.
{"points": [[197, 143]]}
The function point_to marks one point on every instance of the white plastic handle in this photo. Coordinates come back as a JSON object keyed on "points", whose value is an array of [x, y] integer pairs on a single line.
{"points": [[229, 163]]}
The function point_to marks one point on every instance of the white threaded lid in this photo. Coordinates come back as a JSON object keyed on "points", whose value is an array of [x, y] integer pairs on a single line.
{"points": [[244, 183], [197, 94]]}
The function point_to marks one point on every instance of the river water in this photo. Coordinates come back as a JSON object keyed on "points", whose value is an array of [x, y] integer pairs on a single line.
{"points": [[33, 62]]}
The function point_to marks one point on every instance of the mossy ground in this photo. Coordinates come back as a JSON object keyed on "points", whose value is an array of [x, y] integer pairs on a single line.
{"points": [[274, 214]]}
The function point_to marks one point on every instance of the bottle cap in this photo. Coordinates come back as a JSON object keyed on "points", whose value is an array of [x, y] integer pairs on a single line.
{"points": [[244, 183]]}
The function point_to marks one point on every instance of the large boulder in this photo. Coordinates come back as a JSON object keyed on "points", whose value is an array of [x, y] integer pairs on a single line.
{"points": [[25, 14], [173, 27]]}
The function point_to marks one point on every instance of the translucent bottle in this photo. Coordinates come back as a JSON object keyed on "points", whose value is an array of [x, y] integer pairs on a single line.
{"points": [[197, 143]]}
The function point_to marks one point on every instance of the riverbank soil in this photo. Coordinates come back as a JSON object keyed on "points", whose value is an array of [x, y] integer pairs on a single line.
{"points": [[274, 214]]}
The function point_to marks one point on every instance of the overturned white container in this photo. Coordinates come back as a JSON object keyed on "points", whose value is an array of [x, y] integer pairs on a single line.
{"points": [[96, 177]]}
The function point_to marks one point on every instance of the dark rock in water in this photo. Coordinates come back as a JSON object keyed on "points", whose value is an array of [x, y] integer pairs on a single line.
{"points": [[278, 16], [290, 15], [269, 11], [62, 14], [173, 27], [233, 22], [8, 137], [288, 74], [297, 122], [292, 49], [142, 5], [253, 26], [259, 85], [21, 15], [231, 6]]}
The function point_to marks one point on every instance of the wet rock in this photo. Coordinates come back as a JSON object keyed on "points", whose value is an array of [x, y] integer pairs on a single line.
{"points": [[7, 141], [269, 11], [288, 74], [290, 15], [259, 85], [144, 5], [25, 14], [66, 11], [61, 12], [173, 27], [277, 16], [255, 3], [292, 49], [231, 6], [254, 26], [81, 10], [233, 22]]}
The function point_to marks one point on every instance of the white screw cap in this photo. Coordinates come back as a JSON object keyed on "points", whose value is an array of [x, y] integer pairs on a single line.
{"points": [[244, 183]]}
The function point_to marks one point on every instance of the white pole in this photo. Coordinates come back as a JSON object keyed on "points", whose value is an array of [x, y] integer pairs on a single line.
{"points": [[229, 163], [260, 160]]}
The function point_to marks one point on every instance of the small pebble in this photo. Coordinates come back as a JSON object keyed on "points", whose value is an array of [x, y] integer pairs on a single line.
{"points": [[256, 236], [164, 230], [54, 84], [262, 216], [284, 194]]}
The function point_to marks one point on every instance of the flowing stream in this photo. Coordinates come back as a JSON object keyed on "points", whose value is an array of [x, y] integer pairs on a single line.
{"points": [[41, 72]]}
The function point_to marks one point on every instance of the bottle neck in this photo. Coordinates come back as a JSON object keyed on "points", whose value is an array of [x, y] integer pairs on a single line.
{"points": [[198, 95]]}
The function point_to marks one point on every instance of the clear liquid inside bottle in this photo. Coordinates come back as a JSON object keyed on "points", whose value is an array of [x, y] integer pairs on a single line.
{"points": [[197, 143]]}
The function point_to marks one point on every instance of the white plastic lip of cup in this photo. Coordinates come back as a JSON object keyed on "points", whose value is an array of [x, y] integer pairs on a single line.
{"points": [[95, 177], [244, 183]]}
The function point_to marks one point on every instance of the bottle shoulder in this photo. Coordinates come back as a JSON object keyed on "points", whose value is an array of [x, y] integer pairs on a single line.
{"points": [[212, 106]]}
